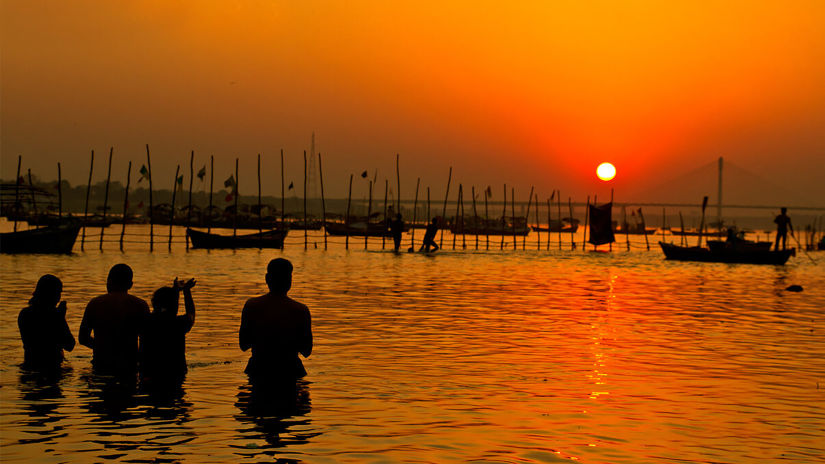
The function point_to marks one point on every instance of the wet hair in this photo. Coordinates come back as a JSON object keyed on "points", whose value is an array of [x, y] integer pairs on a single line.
{"points": [[784, 210], [47, 291], [120, 278], [279, 275], [165, 301]]}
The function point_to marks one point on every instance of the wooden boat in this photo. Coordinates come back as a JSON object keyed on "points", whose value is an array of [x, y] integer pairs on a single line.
{"points": [[695, 233], [722, 252], [481, 226], [53, 240], [268, 239]]}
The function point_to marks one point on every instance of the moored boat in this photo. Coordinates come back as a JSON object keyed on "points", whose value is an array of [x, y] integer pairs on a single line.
{"points": [[268, 239], [52, 240], [722, 252], [359, 229]]}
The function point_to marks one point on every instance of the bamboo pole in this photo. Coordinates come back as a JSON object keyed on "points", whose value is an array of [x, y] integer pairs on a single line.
{"points": [[644, 228], [595, 203], [125, 204], [610, 245], [260, 209], [283, 193], [527, 219], [558, 209], [369, 213], [538, 233], [572, 221], [106, 196], [549, 219], [415, 213], [398, 182], [31, 190], [682, 238], [624, 226], [211, 186], [237, 195], [17, 192], [151, 204], [463, 215], [486, 221], [306, 231], [513, 209], [386, 191], [475, 213], [455, 222], [86, 208], [444, 210], [428, 206], [172, 208], [503, 216], [189, 203], [346, 219], [323, 201], [59, 193], [586, 219]]}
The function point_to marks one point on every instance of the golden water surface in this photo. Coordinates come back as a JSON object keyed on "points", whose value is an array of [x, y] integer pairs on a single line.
{"points": [[462, 356]]}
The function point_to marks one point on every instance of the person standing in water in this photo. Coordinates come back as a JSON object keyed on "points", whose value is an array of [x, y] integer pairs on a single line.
{"points": [[276, 328], [163, 341], [112, 323], [429, 237], [783, 223], [43, 327], [397, 228]]}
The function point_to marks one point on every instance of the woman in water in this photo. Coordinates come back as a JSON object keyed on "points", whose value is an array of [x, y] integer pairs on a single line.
{"points": [[43, 326], [163, 341]]}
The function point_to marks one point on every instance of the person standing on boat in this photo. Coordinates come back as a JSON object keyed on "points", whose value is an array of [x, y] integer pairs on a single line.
{"points": [[112, 323], [783, 223], [43, 327], [163, 341], [276, 328], [396, 229], [429, 237]]}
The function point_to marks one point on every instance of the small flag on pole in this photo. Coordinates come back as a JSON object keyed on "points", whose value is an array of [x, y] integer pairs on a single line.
{"points": [[364, 174], [144, 173], [291, 186], [179, 182], [230, 182], [202, 173], [489, 192], [140, 205], [552, 195]]}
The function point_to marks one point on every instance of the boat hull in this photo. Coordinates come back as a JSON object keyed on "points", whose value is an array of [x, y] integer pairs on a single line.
{"points": [[268, 239], [723, 255], [50, 240]]}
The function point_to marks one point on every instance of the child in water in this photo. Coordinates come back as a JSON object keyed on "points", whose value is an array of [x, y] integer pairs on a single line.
{"points": [[43, 326], [163, 341]]}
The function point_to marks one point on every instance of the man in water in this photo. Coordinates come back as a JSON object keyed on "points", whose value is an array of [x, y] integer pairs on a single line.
{"points": [[112, 323], [163, 341], [277, 328], [429, 237], [783, 223], [397, 228]]}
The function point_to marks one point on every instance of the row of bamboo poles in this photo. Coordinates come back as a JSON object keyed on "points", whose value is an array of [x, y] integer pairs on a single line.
{"points": [[533, 198]]}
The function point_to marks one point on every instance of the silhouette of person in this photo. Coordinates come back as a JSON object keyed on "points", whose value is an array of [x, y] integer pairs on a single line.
{"points": [[116, 320], [783, 223], [277, 328], [43, 326], [397, 228], [163, 341], [429, 236]]}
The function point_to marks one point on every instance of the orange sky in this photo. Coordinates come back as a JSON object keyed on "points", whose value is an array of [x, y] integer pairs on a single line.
{"points": [[527, 94]]}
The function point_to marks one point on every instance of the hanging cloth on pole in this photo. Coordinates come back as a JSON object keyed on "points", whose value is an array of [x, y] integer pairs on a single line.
{"points": [[601, 224]]}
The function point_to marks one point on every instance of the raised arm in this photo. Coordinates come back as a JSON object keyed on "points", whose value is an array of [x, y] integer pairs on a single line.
{"points": [[188, 302], [66, 337]]}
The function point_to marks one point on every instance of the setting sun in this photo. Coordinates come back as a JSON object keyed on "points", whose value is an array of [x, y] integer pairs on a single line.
{"points": [[606, 171]]}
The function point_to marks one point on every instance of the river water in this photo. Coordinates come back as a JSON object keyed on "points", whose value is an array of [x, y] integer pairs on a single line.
{"points": [[461, 356]]}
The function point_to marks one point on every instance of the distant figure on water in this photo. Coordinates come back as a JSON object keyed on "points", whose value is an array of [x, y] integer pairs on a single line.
{"points": [[277, 328], [783, 223], [397, 228], [43, 327], [429, 237], [112, 323], [163, 341]]}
